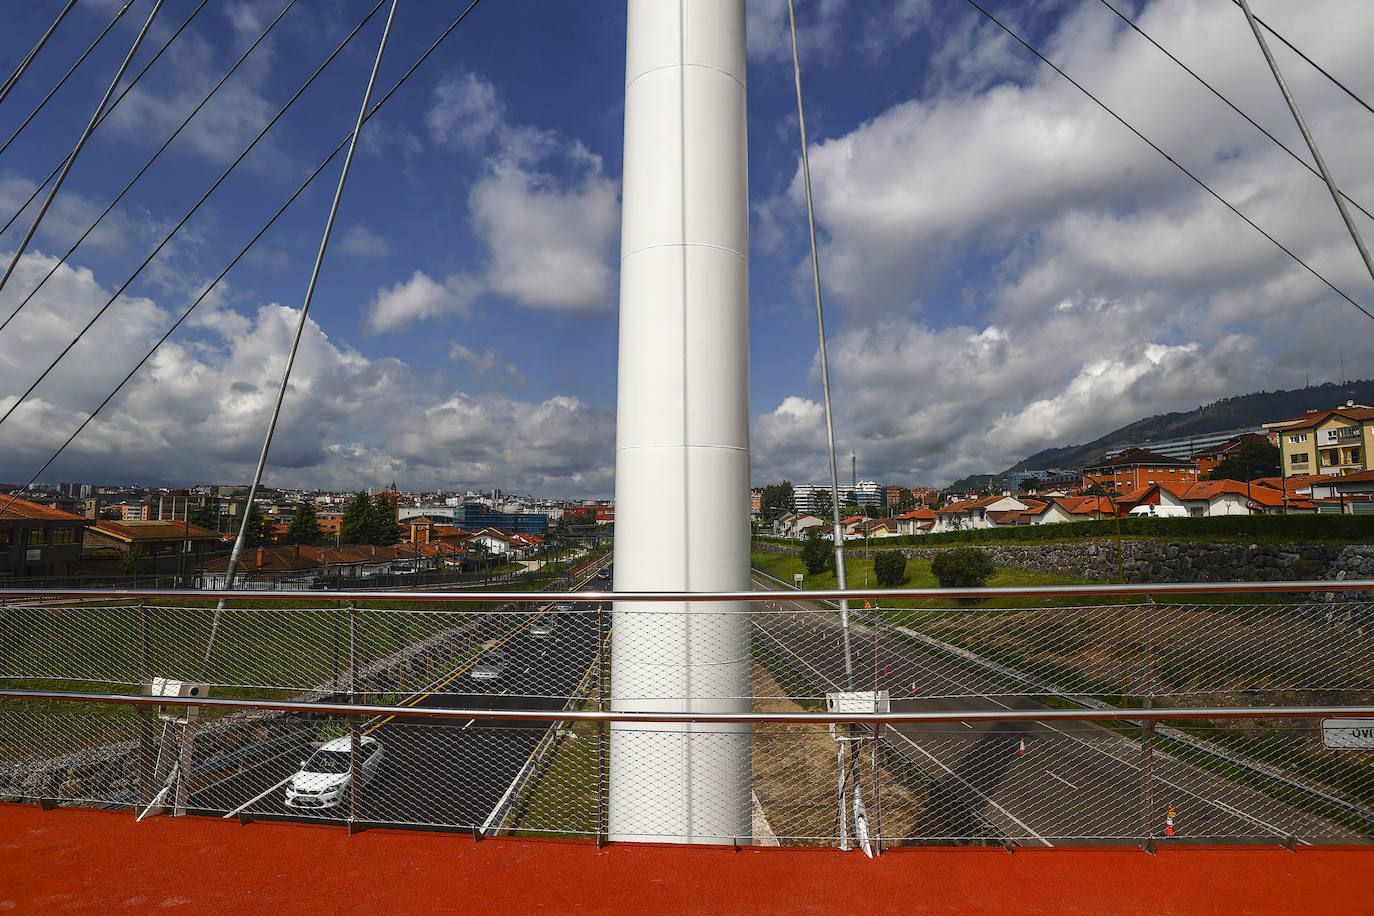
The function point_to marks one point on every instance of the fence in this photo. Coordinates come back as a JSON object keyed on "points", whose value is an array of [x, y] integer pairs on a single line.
{"points": [[1082, 723]]}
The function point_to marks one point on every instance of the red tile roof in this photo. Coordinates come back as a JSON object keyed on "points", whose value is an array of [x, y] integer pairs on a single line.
{"points": [[23, 509], [135, 530], [1320, 416], [1139, 457]]}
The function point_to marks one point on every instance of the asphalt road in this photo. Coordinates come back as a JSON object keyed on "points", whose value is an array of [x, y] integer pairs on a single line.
{"points": [[1074, 783], [440, 771]]}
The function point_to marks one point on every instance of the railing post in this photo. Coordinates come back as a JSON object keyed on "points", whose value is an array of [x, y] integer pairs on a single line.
{"points": [[877, 791], [1147, 767], [147, 718], [354, 735]]}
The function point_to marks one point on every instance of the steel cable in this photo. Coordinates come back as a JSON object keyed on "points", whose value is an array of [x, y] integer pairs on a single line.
{"points": [[119, 14], [177, 228], [1227, 102], [106, 113], [147, 165], [242, 251], [76, 150], [13, 79], [1178, 165]]}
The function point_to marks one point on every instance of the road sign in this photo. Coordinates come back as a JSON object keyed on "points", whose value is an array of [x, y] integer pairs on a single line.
{"points": [[1346, 734], [797, 578]]}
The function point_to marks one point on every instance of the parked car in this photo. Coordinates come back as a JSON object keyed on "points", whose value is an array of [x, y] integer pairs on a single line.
{"points": [[542, 630], [489, 667], [323, 779], [1152, 511], [563, 606]]}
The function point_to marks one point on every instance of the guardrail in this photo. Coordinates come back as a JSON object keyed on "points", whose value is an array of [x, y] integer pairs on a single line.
{"points": [[995, 790], [1207, 707]]}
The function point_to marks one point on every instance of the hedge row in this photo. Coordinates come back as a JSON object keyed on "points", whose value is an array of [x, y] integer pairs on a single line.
{"points": [[1296, 528]]}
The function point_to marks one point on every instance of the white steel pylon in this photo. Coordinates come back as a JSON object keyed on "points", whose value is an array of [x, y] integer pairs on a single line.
{"points": [[682, 431]]}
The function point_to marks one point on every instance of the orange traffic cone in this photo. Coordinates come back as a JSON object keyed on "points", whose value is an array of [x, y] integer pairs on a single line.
{"points": [[1022, 749], [1169, 822], [884, 670], [913, 686]]}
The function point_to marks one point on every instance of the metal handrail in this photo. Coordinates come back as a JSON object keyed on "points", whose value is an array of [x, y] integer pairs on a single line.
{"points": [[1028, 591], [824, 718]]}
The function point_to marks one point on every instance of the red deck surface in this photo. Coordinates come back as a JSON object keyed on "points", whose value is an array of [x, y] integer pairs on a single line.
{"points": [[77, 861]]}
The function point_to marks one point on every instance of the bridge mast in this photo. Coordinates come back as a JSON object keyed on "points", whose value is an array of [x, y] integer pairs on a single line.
{"points": [[682, 433]]}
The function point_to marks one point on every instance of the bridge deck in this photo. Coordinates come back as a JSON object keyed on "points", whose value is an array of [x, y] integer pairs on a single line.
{"points": [[76, 860]]}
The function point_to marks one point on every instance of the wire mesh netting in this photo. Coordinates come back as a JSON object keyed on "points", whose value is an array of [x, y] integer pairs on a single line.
{"points": [[971, 782]]}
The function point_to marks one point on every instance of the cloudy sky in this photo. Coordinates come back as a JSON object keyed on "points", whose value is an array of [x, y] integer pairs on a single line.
{"points": [[1005, 266]]}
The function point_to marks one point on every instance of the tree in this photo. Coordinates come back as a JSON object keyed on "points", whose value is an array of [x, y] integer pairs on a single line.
{"points": [[1029, 484], [205, 516], [304, 527], [824, 505], [357, 524], [385, 529], [776, 499], [133, 562], [1256, 458], [890, 568], [815, 554], [1100, 489], [963, 567], [259, 529]]}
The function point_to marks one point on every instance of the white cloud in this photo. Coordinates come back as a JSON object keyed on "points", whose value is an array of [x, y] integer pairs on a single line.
{"points": [[419, 298], [1093, 283], [544, 209], [362, 242], [486, 363], [198, 410]]}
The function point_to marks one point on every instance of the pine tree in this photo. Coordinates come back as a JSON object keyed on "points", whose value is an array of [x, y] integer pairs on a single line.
{"points": [[357, 525], [305, 526]]}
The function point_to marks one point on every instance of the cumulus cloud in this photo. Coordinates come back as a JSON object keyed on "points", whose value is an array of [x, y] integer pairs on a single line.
{"points": [[488, 363], [1093, 284], [421, 297], [198, 410]]}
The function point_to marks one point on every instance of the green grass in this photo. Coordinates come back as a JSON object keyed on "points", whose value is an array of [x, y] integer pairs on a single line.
{"points": [[563, 796]]}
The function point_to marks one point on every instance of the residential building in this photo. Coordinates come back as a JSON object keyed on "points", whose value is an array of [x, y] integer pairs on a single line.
{"points": [[1208, 459], [896, 495], [167, 548], [870, 493], [1136, 468], [38, 541], [1184, 447], [756, 501], [173, 506], [917, 521], [475, 516], [1209, 498], [806, 497], [973, 513], [1331, 442]]}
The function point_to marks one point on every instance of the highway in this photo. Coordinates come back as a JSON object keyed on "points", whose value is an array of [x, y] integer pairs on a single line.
{"points": [[1075, 783], [439, 772]]}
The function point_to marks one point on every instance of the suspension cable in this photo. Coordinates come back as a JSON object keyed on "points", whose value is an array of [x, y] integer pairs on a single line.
{"points": [[1311, 141], [837, 529], [76, 150], [119, 14], [242, 252], [296, 341], [147, 165], [1315, 66], [13, 79], [177, 228], [1227, 102], [1178, 165], [108, 110]]}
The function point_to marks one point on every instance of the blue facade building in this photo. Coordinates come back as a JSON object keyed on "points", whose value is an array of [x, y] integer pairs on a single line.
{"points": [[472, 516]]}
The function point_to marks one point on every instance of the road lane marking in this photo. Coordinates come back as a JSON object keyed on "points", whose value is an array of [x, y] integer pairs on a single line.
{"points": [[1022, 824]]}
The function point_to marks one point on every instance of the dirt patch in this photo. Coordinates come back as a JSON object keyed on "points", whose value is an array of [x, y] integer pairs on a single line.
{"points": [[796, 777]]}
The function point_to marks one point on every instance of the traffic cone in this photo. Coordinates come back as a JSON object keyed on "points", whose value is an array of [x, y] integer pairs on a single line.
{"points": [[1021, 751], [1169, 822], [884, 670], [913, 686]]}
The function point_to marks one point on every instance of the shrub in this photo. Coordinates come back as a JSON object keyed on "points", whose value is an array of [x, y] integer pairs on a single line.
{"points": [[890, 568], [963, 567]]}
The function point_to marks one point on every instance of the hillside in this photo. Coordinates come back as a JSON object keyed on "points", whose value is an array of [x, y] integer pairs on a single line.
{"points": [[1227, 413]]}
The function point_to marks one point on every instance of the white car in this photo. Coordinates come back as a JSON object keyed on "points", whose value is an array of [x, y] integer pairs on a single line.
{"points": [[322, 781], [489, 667], [542, 630]]}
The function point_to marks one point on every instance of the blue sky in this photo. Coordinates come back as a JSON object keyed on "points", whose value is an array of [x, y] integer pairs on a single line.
{"points": [[1005, 267]]}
